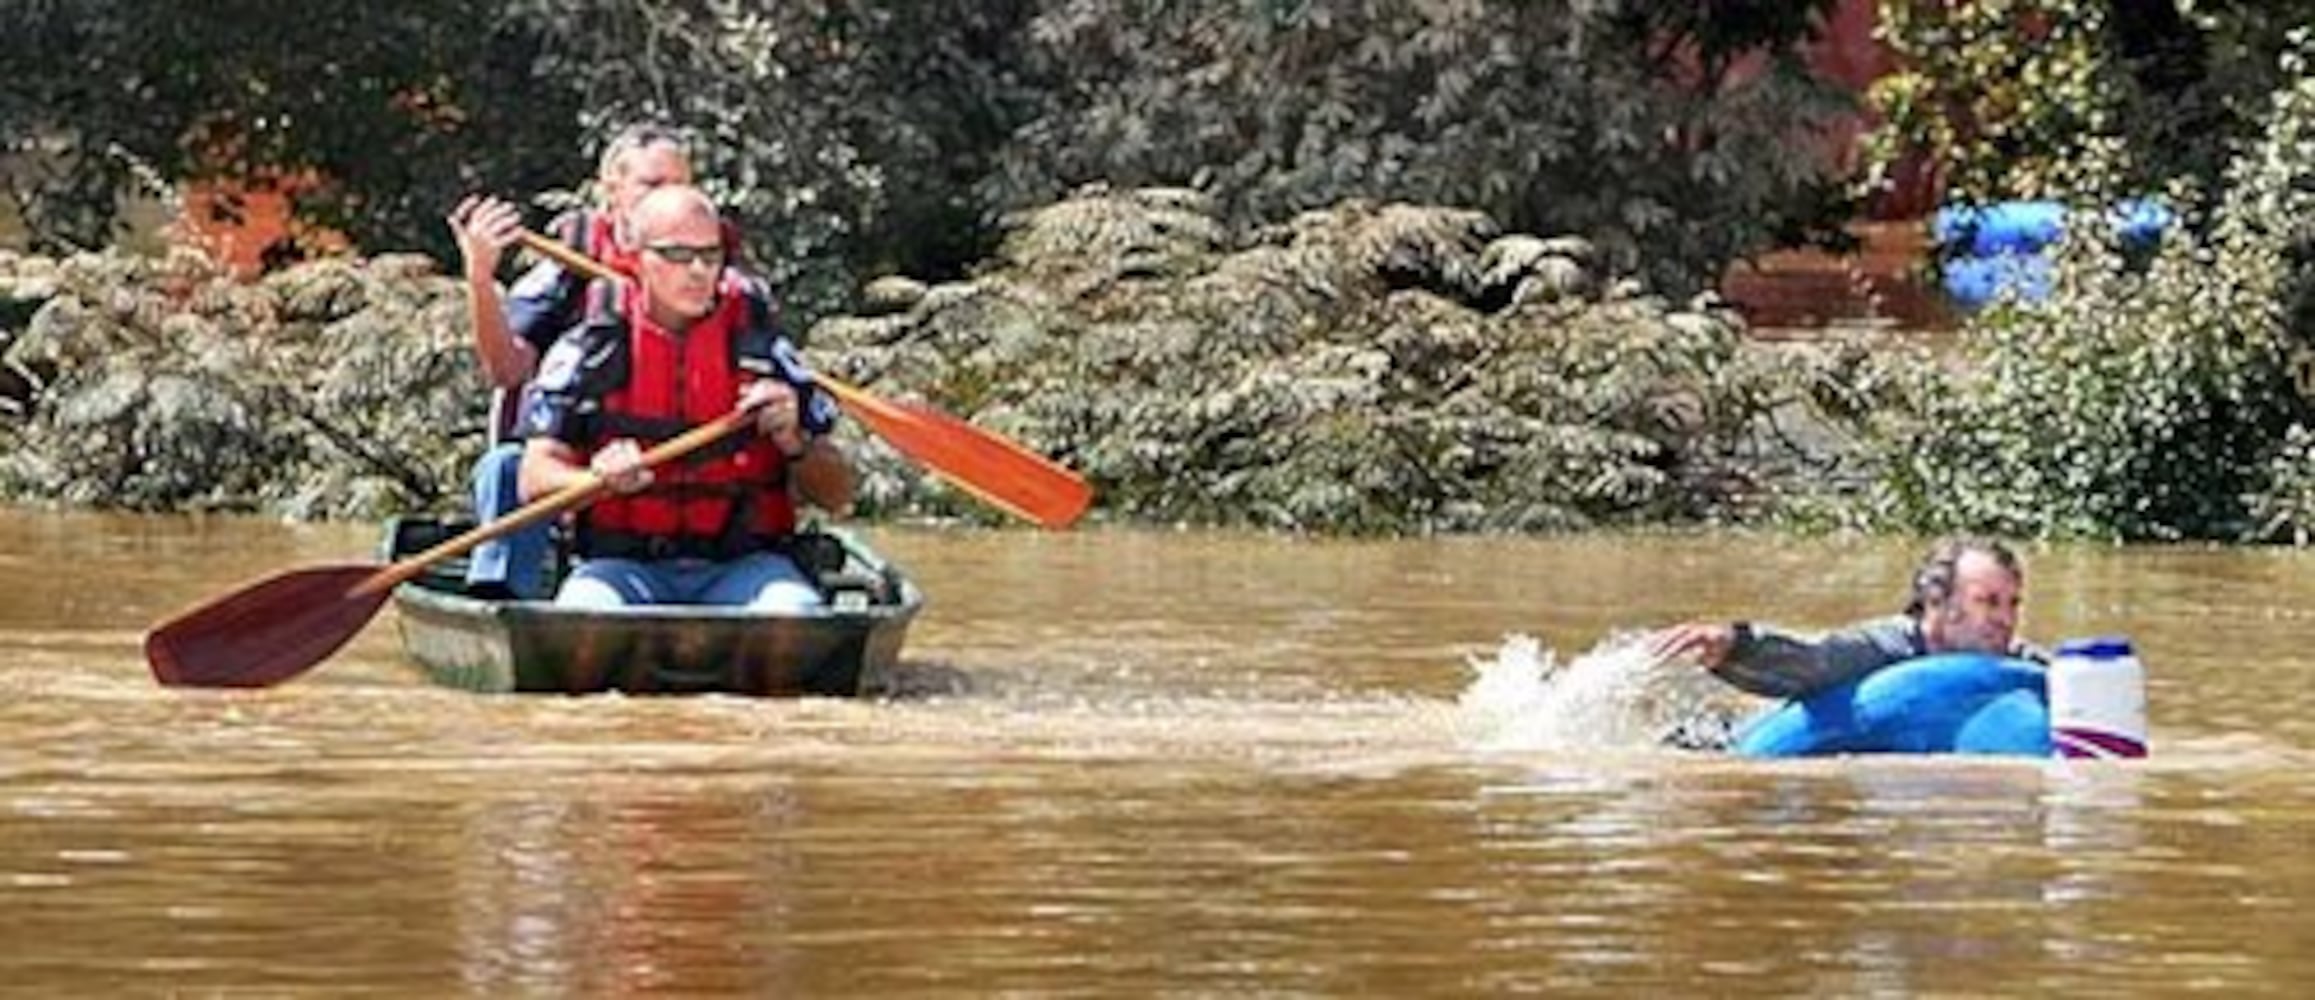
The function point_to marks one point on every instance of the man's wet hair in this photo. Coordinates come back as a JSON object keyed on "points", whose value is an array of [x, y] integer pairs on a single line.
{"points": [[640, 135], [1933, 579]]}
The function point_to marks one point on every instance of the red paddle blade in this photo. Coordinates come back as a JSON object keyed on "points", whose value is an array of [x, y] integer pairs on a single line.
{"points": [[264, 633], [993, 468]]}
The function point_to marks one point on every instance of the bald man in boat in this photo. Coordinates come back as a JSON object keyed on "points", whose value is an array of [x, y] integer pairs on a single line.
{"points": [[1967, 597], [514, 328], [687, 342]]}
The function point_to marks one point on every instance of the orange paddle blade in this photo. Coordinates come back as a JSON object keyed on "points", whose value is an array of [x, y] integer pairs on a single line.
{"points": [[1003, 474], [266, 632]]}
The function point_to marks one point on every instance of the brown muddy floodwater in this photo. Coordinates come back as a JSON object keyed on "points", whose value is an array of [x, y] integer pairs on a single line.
{"points": [[1181, 764]]}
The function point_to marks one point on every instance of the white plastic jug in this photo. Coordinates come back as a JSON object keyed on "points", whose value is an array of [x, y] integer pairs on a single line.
{"points": [[2097, 700]]}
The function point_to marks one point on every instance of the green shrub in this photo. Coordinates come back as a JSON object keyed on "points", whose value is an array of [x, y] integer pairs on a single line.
{"points": [[1370, 369]]}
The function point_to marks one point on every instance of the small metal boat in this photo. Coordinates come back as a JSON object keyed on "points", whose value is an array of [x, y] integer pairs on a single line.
{"points": [[467, 641]]}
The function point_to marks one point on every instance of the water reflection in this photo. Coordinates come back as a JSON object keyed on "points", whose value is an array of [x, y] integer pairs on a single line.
{"points": [[1885, 876], [630, 886]]}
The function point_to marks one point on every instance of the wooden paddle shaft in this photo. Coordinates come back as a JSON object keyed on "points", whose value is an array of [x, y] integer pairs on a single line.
{"points": [[552, 504], [568, 257]]}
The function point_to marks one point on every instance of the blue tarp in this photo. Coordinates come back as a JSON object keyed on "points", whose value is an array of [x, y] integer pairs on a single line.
{"points": [[1990, 249], [2028, 226], [1974, 281]]}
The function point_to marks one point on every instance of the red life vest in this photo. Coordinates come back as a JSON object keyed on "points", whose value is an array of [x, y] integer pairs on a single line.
{"points": [[721, 502]]}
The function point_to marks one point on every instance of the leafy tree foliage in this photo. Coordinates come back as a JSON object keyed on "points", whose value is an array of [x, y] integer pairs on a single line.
{"points": [[1626, 121], [846, 136], [854, 138], [399, 106], [2008, 96]]}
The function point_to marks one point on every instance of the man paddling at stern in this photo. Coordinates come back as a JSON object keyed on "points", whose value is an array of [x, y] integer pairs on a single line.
{"points": [[1968, 595]]}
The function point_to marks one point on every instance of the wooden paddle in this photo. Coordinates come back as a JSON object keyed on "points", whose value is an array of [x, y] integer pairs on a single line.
{"points": [[996, 469], [279, 627]]}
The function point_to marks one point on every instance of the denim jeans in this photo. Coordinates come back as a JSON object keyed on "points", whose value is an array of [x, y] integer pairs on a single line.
{"points": [[762, 580], [517, 560]]}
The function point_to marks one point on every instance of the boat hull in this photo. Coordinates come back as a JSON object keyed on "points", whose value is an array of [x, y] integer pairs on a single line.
{"points": [[842, 649]]}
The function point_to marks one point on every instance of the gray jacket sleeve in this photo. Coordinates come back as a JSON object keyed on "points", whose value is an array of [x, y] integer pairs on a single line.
{"points": [[1778, 664]]}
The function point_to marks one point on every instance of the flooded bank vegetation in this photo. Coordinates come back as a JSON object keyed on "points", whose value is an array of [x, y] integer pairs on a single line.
{"points": [[2156, 393], [1369, 368], [338, 388], [1339, 266]]}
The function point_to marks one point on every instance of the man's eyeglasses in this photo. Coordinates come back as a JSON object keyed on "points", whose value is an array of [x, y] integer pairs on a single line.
{"points": [[677, 253]]}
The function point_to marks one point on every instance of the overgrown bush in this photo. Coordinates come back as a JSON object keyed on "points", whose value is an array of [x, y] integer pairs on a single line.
{"points": [[1369, 369], [331, 389], [1374, 368]]}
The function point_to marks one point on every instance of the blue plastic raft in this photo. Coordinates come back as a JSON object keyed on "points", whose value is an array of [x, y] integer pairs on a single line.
{"points": [[1962, 703]]}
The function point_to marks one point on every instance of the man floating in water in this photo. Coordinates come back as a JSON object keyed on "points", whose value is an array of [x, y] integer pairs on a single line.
{"points": [[1967, 597]]}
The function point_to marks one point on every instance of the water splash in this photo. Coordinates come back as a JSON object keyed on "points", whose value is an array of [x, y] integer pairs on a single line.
{"points": [[1619, 695]]}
